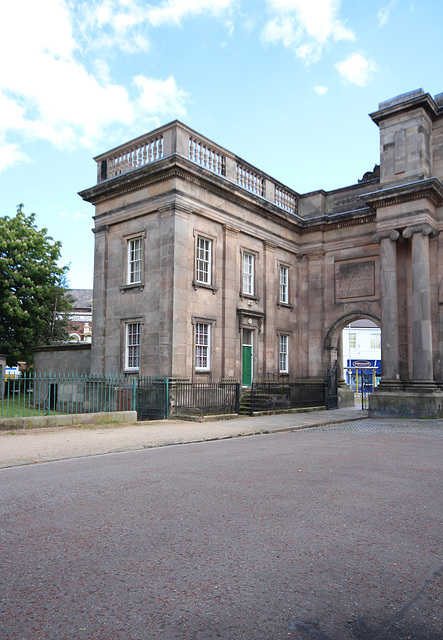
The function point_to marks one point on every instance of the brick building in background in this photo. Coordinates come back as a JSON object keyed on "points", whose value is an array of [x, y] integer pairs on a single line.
{"points": [[81, 317]]}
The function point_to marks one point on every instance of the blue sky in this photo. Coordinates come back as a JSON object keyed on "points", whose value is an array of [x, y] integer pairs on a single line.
{"points": [[285, 84]]}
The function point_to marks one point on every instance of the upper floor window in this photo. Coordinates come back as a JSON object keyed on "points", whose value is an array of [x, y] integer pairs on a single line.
{"points": [[248, 274], [284, 284], [135, 254], [375, 341], [204, 260], [132, 346], [352, 340]]}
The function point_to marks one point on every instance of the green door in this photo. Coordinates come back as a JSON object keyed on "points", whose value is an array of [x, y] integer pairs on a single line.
{"points": [[247, 358]]}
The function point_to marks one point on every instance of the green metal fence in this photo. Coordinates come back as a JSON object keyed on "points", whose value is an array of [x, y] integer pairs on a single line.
{"points": [[51, 394], [54, 394]]}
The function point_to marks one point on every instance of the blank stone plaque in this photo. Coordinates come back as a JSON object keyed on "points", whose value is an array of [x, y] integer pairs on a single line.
{"points": [[356, 280]]}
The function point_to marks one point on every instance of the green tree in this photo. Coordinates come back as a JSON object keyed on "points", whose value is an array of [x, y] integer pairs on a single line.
{"points": [[34, 303]]}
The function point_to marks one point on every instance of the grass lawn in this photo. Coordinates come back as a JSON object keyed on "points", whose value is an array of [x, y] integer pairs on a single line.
{"points": [[22, 407]]}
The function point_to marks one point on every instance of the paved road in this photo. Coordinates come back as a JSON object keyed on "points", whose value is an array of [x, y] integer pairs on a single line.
{"points": [[333, 533]]}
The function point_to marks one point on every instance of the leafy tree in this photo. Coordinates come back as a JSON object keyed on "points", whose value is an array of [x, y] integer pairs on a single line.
{"points": [[34, 304]]}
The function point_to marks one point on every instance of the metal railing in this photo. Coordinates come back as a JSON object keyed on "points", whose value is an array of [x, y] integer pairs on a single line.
{"points": [[198, 398], [269, 395], [152, 397], [51, 394]]}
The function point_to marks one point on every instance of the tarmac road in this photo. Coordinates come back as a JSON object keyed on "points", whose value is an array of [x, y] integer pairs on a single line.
{"points": [[332, 533]]}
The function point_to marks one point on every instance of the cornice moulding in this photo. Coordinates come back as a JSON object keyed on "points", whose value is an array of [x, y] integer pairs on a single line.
{"points": [[431, 189]]}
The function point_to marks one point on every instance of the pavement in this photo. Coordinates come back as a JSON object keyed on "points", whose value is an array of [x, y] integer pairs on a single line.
{"points": [[30, 446]]}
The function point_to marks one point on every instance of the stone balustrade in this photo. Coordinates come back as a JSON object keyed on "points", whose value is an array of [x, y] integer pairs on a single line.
{"points": [[177, 138]]}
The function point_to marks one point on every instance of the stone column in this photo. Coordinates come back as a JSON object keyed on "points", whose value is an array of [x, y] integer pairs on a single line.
{"points": [[340, 370], [99, 306], [389, 305], [421, 303]]}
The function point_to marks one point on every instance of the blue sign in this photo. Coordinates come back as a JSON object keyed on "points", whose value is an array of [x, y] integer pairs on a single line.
{"points": [[363, 364]]}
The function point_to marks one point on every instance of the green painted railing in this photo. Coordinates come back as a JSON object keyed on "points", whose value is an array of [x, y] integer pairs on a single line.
{"points": [[52, 394]]}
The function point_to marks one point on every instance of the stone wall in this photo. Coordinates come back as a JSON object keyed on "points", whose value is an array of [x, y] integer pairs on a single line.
{"points": [[63, 359], [369, 250]]}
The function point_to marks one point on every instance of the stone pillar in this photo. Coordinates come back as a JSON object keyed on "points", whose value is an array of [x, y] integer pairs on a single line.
{"points": [[421, 303], [389, 305], [419, 397], [340, 370], [98, 347]]}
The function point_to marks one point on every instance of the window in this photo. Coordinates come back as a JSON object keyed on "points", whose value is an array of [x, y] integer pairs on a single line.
{"points": [[352, 340], [202, 345], [135, 248], [204, 260], [283, 353], [284, 284], [375, 341], [248, 274], [132, 348]]}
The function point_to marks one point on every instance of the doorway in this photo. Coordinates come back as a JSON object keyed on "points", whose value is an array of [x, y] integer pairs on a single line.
{"points": [[247, 344]]}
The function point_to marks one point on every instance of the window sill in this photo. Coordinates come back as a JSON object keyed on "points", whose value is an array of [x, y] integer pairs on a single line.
{"points": [[247, 296], [203, 285], [132, 287], [285, 305]]}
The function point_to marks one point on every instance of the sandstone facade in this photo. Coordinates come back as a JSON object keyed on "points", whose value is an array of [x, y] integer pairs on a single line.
{"points": [[206, 268]]}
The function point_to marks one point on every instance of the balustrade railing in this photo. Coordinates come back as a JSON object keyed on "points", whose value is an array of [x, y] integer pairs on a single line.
{"points": [[285, 199], [179, 139], [250, 180], [145, 152], [206, 156]]}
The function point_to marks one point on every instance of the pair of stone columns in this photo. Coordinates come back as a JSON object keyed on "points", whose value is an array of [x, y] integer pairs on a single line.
{"points": [[422, 369]]}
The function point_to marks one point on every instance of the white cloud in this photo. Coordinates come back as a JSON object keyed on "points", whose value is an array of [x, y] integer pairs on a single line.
{"points": [[10, 155], [47, 93], [112, 24], [384, 14], [321, 90], [173, 11], [160, 96], [306, 26], [356, 69]]}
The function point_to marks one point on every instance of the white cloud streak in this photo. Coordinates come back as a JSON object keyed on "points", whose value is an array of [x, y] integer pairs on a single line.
{"points": [[384, 14], [173, 11], [48, 93], [306, 26], [356, 69]]}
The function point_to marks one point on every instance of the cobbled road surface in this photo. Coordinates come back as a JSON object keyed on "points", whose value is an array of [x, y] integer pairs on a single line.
{"points": [[332, 533]]}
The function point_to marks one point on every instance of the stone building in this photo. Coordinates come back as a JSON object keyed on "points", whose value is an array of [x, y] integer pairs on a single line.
{"points": [[207, 268]]}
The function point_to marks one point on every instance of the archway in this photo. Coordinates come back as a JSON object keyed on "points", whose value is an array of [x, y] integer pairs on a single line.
{"points": [[354, 341]]}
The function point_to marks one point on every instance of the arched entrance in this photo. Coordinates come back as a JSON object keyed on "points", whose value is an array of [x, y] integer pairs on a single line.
{"points": [[354, 341]]}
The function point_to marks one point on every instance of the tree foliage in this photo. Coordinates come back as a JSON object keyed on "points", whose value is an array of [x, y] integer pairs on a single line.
{"points": [[34, 304]]}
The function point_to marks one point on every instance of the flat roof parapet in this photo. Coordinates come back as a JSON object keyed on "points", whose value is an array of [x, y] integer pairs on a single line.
{"points": [[402, 97], [177, 139]]}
